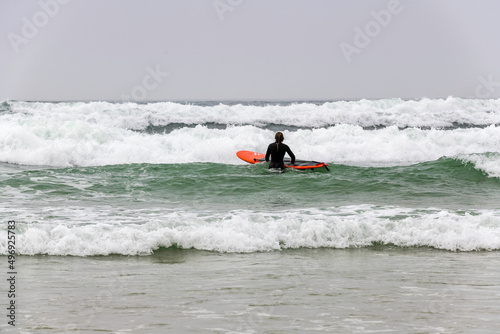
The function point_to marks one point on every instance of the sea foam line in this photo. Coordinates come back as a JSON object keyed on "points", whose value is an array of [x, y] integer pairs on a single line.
{"points": [[71, 143], [250, 231], [429, 113]]}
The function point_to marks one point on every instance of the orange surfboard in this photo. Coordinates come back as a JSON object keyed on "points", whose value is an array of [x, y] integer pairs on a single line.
{"points": [[255, 158]]}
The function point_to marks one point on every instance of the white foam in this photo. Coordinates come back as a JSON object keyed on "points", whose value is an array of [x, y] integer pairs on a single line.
{"points": [[489, 162], [100, 133], [251, 231], [84, 145], [366, 113]]}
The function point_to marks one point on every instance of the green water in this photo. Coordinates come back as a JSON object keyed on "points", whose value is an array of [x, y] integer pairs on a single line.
{"points": [[445, 183]]}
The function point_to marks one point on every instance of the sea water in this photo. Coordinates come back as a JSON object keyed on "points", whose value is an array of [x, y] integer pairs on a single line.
{"points": [[140, 218]]}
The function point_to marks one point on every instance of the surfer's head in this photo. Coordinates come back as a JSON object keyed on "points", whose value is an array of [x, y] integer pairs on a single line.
{"points": [[279, 137]]}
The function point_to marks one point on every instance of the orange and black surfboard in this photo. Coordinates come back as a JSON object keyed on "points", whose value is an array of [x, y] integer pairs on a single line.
{"points": [[255, 158]]}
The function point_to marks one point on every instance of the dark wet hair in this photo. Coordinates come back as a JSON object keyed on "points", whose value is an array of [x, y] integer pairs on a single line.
{"points": [[279, 137]]}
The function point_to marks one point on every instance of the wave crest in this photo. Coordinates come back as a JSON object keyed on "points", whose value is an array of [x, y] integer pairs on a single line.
{"points": [[248, 231]]}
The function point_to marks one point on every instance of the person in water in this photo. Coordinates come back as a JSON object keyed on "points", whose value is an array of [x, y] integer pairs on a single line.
{"points": [[277, 152]]}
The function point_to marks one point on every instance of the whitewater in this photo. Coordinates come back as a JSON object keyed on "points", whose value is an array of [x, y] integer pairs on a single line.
{"points": [[160, 175], [139, 217], [386, 131]]}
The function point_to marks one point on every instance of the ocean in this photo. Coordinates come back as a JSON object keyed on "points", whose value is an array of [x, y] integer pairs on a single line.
{"points": [[140, 218]]}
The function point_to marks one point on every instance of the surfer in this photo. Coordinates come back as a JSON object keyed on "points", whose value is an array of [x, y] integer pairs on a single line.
{"points": [[277, 152]]}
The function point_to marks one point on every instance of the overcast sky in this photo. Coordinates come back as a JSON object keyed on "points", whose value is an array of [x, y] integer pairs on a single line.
{"points": [[149, 50]]}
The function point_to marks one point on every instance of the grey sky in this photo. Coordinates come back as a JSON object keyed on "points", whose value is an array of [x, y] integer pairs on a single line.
{"points": [[248, 49]]}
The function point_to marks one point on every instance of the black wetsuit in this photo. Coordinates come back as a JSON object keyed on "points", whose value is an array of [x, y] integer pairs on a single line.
{"points": [[277, 153]]}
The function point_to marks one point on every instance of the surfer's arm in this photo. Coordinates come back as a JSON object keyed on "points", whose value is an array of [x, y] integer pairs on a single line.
{"points": [[290, 153], [292, 156], [268, 153]]}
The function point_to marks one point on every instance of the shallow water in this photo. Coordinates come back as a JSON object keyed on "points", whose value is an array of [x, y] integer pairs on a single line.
{"points": [[376, 289]]}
